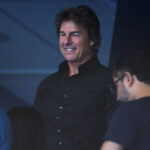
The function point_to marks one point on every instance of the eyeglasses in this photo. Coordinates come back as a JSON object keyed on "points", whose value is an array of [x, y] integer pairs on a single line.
{"points": [[112, 86]]}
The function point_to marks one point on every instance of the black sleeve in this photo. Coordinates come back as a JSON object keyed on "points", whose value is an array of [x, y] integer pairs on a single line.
{"points": [[111, 104]]}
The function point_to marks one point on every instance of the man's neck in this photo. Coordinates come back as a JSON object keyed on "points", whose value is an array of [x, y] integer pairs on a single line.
{"points": [[143, 90], [74, 66]]}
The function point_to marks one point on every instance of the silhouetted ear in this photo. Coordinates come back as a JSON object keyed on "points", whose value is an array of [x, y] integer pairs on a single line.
{"points": [[129, 79]]}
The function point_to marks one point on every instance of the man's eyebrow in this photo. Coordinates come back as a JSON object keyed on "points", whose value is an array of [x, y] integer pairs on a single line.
{"points": [[70, 32], [61, 31], [76, 32]]}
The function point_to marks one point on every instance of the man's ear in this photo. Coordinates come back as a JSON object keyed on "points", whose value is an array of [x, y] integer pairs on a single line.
{"points": [[128, 79], [91, 43]]}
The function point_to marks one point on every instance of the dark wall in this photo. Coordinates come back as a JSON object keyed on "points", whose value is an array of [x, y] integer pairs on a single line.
{"points": [[132, 27]]}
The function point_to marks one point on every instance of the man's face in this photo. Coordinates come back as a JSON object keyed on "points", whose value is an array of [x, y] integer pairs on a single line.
{"points": [[123, 94], [74, 43]]}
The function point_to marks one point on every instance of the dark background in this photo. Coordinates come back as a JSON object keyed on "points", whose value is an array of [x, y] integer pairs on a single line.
{"points": [[29, 48], [132, 27]]}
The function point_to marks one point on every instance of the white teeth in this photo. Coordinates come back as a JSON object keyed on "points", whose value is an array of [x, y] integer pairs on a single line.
{"points": [[69, 49]]}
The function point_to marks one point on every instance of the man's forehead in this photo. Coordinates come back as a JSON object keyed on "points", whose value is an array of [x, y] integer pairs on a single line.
{"points": [[72, 24]]}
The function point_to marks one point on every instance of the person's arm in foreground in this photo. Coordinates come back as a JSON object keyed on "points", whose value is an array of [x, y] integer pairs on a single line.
{"points": [[5, 131], [109, 145]]}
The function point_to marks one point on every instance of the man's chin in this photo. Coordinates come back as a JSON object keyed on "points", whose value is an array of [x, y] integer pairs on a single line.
{"points": [[120, 99], [71, 60]]}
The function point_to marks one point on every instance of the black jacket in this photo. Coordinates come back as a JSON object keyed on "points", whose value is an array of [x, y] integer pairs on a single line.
{"points": [[76, 108]]}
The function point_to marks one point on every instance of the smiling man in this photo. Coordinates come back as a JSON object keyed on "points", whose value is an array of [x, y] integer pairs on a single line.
{"points": [[75, 45], [75, 101], [130, 125]]}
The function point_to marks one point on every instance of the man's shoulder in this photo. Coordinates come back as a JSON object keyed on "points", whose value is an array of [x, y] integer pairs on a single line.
{"points": [[132, 107], [50, 77], [103, 69], [135, 104], [47, 80], [104, 73], [125, 107]]}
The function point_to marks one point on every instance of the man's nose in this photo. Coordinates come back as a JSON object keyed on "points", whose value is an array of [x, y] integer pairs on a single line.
{"points": [[68, 40]]}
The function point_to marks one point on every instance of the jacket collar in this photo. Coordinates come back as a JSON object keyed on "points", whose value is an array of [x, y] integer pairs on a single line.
{"points": [[90, 66]]}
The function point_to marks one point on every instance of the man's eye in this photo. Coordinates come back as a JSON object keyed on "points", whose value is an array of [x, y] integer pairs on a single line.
{"points": [[75, 34], [61, 34]]}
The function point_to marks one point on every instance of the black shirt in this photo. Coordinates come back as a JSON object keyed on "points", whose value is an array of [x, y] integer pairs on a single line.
{"points": [[130, 125], [75, 108]]}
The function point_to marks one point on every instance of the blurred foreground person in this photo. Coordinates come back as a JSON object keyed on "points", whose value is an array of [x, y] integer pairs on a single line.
{"points": [[5, 131]]}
